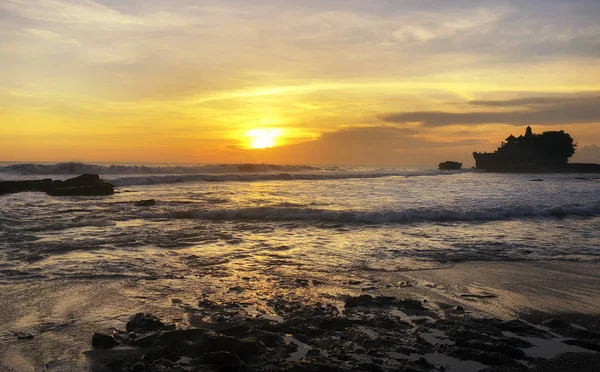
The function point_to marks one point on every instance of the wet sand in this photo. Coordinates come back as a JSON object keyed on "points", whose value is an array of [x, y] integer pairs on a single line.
{"points": [[62, 316], [508, 289]]}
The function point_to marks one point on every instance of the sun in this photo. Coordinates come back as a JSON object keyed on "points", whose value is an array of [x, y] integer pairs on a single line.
{"points": [[263, 138]]}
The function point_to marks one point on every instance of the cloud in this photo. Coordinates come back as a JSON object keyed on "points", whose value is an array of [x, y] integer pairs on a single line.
{"points": [[526, 111], [88, 14], [529, 101], [425, 27], [225, 66]]}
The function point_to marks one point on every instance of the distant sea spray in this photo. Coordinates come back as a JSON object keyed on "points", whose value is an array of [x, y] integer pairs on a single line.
{"points": [[137, 175], [80, 168]]}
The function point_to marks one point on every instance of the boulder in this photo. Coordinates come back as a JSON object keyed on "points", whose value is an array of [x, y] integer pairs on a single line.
{"points": [[142, 322], [450, 165], [102, 341], [84, 185], [223, 358]]}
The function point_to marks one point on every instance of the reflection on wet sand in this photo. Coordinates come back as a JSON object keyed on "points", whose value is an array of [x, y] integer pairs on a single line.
{"points": [[386, 320]]}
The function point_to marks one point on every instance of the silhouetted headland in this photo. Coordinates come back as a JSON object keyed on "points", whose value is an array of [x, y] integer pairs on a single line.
{"points": [[532, 152], [84, 185]]}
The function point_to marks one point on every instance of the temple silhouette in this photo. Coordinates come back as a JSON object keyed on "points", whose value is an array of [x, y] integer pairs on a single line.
{"points": [[531, 152]]}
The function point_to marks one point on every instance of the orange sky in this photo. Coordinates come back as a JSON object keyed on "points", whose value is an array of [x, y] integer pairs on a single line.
{"points": [[354, 82]]}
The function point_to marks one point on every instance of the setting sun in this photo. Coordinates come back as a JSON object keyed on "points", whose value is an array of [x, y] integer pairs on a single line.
{"points": [[263, 138]]}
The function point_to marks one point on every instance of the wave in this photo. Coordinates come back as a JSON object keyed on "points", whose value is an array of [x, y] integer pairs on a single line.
{"points": [[80, 168], [382, 217], [137, 175], [153, 180]]}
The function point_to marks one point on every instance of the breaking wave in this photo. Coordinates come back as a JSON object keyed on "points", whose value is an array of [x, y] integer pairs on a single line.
{"points": [[152, 180], [138, 175], [392, 216]]}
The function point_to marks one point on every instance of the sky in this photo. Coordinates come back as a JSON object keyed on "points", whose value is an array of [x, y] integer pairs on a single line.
{"points": [[378, 82]]}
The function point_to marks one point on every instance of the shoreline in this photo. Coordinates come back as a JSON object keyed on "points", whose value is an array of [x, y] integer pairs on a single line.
{"points": [[66, 314]]}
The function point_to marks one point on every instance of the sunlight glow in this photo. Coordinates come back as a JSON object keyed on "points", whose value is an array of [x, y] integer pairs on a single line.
{"points": [[263, 138]]}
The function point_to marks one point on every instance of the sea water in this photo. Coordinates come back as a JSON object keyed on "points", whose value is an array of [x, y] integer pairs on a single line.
{"points": [[303, 218]]}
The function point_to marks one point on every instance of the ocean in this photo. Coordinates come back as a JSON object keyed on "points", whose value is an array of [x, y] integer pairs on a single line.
{"points": [[303, 218], [345, 265]]}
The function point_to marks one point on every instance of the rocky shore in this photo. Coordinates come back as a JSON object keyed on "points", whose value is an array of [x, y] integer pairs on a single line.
{"points": [[84, 185], [370, 333]]}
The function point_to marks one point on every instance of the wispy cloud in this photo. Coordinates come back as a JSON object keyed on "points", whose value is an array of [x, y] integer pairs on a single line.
{"points": [[533, 110]]}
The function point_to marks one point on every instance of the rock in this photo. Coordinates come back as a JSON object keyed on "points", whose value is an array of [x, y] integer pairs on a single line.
{"points": [[236, 289], [370, 367], [584, 344], [336, 324], [181, 342], [450, 165], [192, 342], [220, 358], [161, 353], [102, 341], [142, 322], [11, 187], [302, 282], [411, 304], [521, 328], [145, 203], [383, 301], [245, 349], [485, 357], [84, 185], [421, 364], [370, 301], [536, 180], [555, 323], [270, 339], [363, 300], [146, 340], [24, 336]]}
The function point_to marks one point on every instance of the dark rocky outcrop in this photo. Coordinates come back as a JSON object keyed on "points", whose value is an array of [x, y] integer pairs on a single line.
{"points": [[450, 165], [12, 187], [548, 152], [369, 334], [84, 185]]}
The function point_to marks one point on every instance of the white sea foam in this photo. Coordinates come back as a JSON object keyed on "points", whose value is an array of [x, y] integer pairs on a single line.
{"points": [[182, 178]]}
